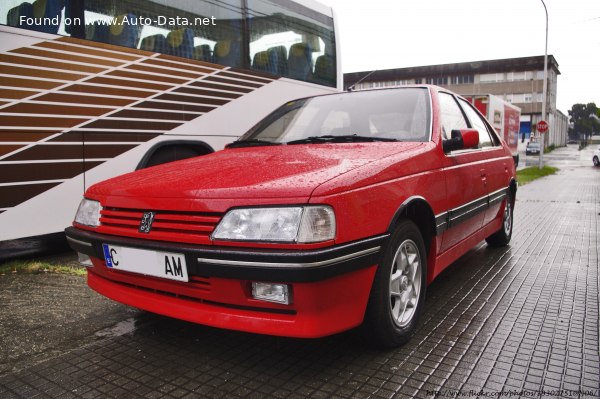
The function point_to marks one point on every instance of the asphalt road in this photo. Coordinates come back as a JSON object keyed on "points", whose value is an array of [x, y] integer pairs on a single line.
{"points": [[522, 320]]}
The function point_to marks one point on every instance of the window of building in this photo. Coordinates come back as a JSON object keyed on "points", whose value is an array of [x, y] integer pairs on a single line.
{"points": [[518, 98], [439, 81], [463, 79], [487, 77], [517, 76], [492, 77]]}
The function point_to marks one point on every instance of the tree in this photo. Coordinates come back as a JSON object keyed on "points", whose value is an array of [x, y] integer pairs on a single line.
{"points": [[585, 120]]}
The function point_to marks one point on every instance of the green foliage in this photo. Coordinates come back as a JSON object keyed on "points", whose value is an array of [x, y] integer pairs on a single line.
{"points": [[33, 266], [527, 175], [582, 117]]}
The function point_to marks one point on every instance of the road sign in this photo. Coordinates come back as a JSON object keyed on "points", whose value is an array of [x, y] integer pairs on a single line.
{"points": [[542, 126]]}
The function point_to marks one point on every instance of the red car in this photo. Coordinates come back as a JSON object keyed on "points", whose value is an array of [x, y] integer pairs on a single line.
{"points": [[332, 212]]}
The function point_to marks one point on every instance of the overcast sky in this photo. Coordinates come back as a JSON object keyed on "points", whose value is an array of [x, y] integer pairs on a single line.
{"points": [[381, 34]]}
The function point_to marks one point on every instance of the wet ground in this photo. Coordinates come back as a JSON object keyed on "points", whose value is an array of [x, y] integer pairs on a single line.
{"points": [[522, 320]]}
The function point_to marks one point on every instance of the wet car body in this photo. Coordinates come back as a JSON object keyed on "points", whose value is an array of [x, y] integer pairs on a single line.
{"points": [[377, 212]]}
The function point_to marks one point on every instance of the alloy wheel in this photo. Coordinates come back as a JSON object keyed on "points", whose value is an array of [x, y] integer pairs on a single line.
{"points": [[405, 283]]}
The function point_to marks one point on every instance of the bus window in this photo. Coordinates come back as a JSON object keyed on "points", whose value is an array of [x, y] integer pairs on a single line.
{"points": [[201, 30], [292, 42], [197, 29]]}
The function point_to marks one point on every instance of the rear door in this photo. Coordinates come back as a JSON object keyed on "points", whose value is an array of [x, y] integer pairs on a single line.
{"points": [[495, 161]]}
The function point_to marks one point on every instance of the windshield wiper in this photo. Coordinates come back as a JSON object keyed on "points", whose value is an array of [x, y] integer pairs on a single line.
{"points": [[350, 138], [250, 143]]}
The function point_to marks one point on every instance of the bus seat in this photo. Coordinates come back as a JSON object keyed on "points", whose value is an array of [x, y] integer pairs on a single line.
{"points": [[228, 52], [97, 32], [261, 62], [13, 17], [278, 56], [154, 43], [203, 53], [181, 42], [124, 34], [300, 61], [48, 9], [325, 70]]}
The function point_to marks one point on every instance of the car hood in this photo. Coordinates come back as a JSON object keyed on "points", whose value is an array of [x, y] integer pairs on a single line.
{"points": [[287, 171]]}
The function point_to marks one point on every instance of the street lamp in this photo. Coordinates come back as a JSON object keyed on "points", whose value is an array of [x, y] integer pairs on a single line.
{"points": [[545, 90]]}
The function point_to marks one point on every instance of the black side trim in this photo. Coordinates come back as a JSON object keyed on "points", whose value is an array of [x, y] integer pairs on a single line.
{"points": [[467, 211], [441, 223], [248, 264], [456, 216]]}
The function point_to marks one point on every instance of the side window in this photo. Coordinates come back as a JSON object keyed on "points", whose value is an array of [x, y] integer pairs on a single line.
{"points": [[477, 123], [451, 115]]}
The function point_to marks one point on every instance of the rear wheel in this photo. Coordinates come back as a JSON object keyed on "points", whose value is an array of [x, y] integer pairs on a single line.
{"points": [[596, 161], [398, 291], [502, 237]]}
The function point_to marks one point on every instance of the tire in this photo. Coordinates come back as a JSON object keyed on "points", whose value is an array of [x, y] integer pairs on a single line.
{"points": [[502, 237], [398, 292], [596, 161]]}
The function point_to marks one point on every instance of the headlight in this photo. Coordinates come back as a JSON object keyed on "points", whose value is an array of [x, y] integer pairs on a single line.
{"points": [[88, 213], [289, 224]]}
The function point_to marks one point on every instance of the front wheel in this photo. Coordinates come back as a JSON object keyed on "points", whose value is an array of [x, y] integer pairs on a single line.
{"points": [[398, 291], [596, 161]]}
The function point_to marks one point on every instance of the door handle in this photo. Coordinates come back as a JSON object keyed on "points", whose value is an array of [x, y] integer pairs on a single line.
{"points": [[483, 176]]}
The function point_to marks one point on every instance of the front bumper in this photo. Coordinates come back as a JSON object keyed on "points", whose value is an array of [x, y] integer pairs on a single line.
{"points": [[330, 286], [248, 264]]}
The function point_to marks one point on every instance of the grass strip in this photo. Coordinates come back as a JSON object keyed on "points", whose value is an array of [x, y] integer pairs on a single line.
{"points": [[35, 266], [532, 173]]}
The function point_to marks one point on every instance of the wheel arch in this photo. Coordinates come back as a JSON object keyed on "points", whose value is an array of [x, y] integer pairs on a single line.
{"points": [[512, 190], [170, 150], [418, 210]]}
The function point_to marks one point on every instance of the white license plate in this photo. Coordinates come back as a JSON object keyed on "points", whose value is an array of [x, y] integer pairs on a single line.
{"points": [[152, 263]]}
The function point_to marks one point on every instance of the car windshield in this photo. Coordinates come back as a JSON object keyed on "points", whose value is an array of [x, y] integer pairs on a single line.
{"points": [[379, 115]]}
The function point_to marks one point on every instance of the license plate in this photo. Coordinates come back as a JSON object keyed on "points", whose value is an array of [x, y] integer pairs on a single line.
{"points": [[142, 261]]}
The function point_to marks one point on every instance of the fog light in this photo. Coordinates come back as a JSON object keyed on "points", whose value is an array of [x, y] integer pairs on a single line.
{"points": [[278, 293], [84, 260]]}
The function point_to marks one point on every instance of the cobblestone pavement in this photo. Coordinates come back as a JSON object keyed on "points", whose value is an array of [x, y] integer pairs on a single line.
{"points": [[522, 320]]}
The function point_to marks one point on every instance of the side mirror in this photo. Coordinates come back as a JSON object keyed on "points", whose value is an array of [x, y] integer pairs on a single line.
{"points": [[461, 140]]}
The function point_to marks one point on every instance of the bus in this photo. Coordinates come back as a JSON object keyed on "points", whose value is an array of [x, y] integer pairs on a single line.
{"points": [[90, 89]]}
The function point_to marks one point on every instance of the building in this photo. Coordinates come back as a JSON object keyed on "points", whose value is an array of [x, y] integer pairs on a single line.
{"points": [[516, 80]]}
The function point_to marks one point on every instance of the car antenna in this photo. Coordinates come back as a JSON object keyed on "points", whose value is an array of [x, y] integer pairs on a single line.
{"points": [[351, 88]]}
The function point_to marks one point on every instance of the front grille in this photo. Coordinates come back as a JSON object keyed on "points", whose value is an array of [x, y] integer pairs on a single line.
{"points": [[174, 226]]}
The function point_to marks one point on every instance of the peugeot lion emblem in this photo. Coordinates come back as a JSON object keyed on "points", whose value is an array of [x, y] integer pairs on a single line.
{"points": [[146, 223]]}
